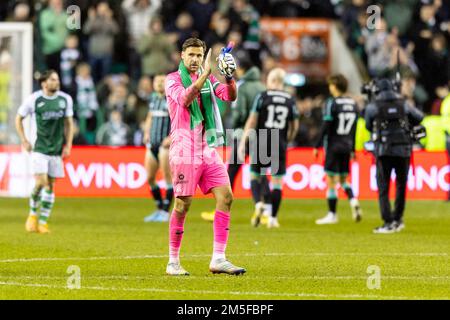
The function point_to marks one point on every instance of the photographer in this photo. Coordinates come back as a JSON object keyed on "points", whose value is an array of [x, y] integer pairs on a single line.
{"points": [[390, 120]]}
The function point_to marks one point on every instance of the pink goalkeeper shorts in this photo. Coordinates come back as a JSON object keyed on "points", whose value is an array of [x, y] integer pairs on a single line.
{"points": [[207, 172]]}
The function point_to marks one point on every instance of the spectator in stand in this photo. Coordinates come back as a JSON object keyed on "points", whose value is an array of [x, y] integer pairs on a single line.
{"points": [[421, 33], [351, 14], [244, 16], [78, 139], [21, 13], [70, 57], [118, 98], [357, 36], [441, 93], [156, 50], [434, 67], [201, 11], [114, 132], [399, 14], [108, 85], [182, 29], [101, 28], [142, 93], [138, 14], [377, 55], [130, 112], [238, 51], [53, 31], [86, 102], [220, 27], [310, 120]]}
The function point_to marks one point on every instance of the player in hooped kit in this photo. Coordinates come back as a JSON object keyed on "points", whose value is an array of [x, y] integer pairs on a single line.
{"points": [[338, 137], [195, 129]]}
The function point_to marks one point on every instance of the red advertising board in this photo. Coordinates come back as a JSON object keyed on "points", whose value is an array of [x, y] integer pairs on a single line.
{"points": [[119, 172]]}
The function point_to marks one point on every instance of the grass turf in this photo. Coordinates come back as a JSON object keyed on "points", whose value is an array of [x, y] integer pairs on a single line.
{"points": [[121, 257]]}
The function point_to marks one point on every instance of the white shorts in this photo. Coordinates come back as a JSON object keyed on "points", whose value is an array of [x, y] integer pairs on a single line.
{"points": [[49, 165]]}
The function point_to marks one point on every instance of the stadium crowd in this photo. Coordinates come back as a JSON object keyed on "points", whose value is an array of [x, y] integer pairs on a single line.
{"points": [[107, 64]]}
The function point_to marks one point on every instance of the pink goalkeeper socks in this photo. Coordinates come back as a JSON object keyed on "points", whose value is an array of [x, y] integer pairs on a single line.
{"points": [[176, 229], [221, 231]]}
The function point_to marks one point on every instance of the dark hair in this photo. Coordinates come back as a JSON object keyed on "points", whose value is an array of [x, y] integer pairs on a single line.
{"points": [[339, 81], [194, 42], [245, 63], [46, 75]]}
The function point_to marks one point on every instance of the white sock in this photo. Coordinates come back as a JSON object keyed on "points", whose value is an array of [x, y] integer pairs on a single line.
{"points": [[218, 256], [268, 209], [174, 260]]}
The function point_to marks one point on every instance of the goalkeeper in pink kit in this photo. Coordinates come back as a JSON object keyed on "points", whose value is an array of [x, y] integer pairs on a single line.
{"points": [[195, 129]]}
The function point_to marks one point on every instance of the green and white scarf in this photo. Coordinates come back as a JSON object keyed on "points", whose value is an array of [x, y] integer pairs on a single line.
{"points": [[211, 114]]}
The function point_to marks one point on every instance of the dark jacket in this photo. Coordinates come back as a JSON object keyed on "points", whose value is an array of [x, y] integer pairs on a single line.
{"points": [[413, 115], [250, 86]]}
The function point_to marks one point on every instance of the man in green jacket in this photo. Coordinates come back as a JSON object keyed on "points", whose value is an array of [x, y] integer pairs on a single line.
{"points": [[53, 30]]}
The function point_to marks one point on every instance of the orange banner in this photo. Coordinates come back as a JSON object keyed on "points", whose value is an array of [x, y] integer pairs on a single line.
{"points": [[119, 172], [301, 45]]}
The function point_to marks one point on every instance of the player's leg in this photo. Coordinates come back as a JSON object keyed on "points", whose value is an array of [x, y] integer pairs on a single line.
{"points": [[332, 172], [164, 161], [219, 263], [176, 230], [277, 193], [47, 202], [40, 164], [214, 178], [151, 167], [331, 216], [55, 170], [384, 169], [35, 202], [267, 199], [401, 167], [255, 187], [234, 164], [354, 203]]}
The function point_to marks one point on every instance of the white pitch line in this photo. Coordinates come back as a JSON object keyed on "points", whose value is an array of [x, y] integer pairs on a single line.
{"points": [[316, 254], [252, 277], [234, 293]]}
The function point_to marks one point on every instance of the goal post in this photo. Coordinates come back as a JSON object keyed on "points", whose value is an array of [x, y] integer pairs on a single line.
{"points": [[16, 84]]}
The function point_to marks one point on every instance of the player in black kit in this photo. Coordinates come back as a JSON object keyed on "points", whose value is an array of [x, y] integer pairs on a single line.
{"points": [[274, 115], [338, 138]]}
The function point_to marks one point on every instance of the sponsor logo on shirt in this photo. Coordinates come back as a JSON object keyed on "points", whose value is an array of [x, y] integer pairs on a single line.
{"points": [[52, 115]]}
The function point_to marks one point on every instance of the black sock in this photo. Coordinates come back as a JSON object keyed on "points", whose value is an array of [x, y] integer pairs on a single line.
{"points": [[332, 203], [233, 170], [168, 201], [157, 196], [255, 186], [265, 190], [276, 201], [348, 191]]}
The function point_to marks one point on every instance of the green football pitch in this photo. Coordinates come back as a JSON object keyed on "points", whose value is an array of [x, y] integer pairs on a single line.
{"points": [[118, 256]]}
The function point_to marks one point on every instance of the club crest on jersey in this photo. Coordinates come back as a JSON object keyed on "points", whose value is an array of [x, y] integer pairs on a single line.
{"points": [[62, 104]]}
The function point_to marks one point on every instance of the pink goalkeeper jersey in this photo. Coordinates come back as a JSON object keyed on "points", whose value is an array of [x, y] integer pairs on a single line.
{"points": [[187, 143]]}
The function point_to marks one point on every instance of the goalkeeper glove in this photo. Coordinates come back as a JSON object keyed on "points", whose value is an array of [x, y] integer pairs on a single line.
{"points": [[227, 65]]}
